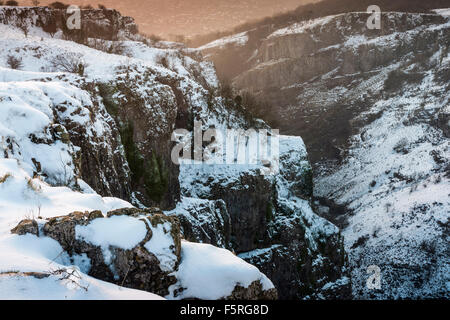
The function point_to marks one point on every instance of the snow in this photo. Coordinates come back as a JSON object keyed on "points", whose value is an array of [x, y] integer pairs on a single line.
{"points": [[212, 273], [443, 12], [258, 252], [239, 39], [399, 200], [161, 244], [19, 287], [29, 253], [119, 231], [303, 26]]}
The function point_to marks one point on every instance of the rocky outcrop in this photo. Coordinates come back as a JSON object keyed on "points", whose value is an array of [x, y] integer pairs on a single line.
{"points": [[26, 226], [253, 292], [307, 72], [106, 24], [372, 107], [136, 267], [204, 221], [134, 248], [272, 224]]}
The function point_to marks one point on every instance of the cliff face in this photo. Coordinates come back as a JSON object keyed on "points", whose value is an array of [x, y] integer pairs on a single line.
{"points": [[95, 23], [307, 71], [372, 108], [101, 124], [272, 223]]}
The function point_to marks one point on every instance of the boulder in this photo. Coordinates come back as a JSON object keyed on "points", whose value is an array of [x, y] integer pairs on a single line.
{"points": [[26, 226], [134, 266], [142, 249]]}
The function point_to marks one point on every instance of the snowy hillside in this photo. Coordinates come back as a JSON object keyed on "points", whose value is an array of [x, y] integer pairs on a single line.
{"points": [[40, 176], [373, 109], [89, 191]]}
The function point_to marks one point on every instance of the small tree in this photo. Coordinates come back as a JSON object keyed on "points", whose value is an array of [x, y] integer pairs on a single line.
{"points": [[70, 62], [22, 24], [35, 3], [13, 62], [101, 6], [50, 27]]}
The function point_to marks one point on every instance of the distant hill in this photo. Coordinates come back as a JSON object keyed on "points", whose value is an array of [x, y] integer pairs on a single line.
{"points": [[325, 8], [193, 17]]}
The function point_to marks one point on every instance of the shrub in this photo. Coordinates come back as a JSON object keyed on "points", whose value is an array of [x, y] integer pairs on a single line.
{"points": [[12, 3], [155, 38], [114, 47], [22, 24], [13, 62], [69, 63], [162, 60], [50, 27]]}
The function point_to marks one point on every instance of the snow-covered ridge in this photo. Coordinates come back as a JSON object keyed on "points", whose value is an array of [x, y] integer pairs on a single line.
{"points": [[239, 39], [373, 108], [89, 126], [50, 117]]}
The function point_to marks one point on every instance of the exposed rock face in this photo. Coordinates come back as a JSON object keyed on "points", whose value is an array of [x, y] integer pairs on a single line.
{"points": [[205, 221], [144, 265], [112, 128], [272, 223], [372, 107], [253, 292], [95, 23], [137, 267]]}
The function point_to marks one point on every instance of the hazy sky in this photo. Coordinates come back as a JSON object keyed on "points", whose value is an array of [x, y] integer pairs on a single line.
{"points": [[189, 17]]}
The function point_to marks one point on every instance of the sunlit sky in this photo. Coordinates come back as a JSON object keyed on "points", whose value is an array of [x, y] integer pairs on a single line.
{"points": [[190, 17]]}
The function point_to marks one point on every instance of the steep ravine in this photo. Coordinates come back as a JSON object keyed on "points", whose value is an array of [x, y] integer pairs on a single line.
{"points": [[105, 131], [372, 107]]}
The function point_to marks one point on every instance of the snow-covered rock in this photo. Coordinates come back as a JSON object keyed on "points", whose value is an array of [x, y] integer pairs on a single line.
{"points": [[373, 109], [85, 120], [272, 223], [141, 249]]}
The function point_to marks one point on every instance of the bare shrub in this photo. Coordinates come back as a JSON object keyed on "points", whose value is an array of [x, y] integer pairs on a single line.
{"points": [[69, 62], [114, 47], [13, 62], [23, 25], [163, 60]]}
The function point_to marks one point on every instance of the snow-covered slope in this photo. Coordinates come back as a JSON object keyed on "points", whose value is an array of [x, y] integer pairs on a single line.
{"points": [[395, 180], [56, 135], [373, 109]]}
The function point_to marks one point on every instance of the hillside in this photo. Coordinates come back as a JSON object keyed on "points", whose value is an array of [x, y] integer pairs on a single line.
{"points": [[171, 18], [89, 195], [373, 109]]}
